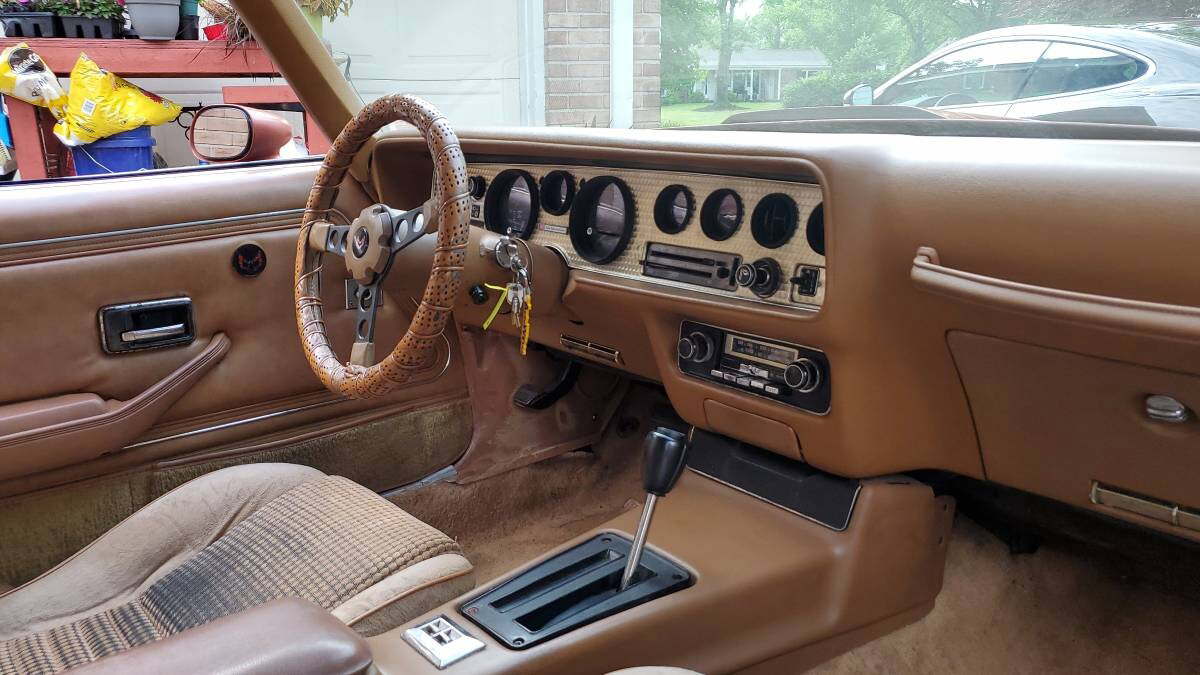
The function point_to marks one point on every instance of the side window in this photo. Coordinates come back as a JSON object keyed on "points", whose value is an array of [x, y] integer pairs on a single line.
{"points": [[989, 73], [1069, 67]]}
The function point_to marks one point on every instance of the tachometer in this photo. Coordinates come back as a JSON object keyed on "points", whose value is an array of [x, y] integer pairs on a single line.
{"points": [[602, 219], [511, 204]]}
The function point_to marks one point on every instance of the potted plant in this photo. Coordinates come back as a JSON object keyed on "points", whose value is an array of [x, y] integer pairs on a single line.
{"points": [[29, 18], [92, 18], [154, 19], [317, 10]]}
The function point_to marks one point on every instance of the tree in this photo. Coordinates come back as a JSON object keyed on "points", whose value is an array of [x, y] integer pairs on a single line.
{"points": [[726, 22], [686, 24]]}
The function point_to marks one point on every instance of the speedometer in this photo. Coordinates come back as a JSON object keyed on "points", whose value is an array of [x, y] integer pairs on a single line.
{"points": [[602, 219]]}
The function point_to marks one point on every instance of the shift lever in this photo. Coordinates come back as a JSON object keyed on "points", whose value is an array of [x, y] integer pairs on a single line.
{"points": [[665, 451]]}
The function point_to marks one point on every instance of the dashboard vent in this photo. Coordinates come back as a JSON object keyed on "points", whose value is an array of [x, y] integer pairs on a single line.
{"points": [[691, 265], [599, 351]]}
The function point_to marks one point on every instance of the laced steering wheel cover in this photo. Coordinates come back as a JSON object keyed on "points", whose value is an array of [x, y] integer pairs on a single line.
{"points": [[417, 350]]}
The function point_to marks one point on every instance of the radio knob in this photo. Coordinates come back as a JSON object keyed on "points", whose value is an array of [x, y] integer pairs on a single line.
{"points": [[704, 347], [802, 375], [686, 348]]}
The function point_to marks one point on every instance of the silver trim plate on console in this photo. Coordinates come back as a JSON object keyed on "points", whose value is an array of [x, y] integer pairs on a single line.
{"points": [[442, 641]]}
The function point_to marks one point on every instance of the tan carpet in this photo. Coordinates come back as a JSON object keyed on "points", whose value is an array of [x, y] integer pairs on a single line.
{"points": [[1064, 609], [504, 521]]}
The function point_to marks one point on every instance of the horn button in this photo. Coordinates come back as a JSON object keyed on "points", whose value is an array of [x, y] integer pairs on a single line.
{"points": [[370, 236]]}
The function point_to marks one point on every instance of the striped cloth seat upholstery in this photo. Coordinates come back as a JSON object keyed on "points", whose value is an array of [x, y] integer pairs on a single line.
{"points": [[324, 540]]}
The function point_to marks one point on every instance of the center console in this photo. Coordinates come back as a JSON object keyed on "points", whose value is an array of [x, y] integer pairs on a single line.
{"points": [[787, 373]]}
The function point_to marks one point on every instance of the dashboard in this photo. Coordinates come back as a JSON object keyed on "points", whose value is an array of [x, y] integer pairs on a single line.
{"points": [[754, 239], [993, 308]]}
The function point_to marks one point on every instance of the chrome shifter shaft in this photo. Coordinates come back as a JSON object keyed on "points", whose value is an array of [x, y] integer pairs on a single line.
{"points": [[665, 452]]}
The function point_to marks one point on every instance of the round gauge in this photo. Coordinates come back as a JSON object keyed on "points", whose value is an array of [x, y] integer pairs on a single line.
{"points": [[774, 220], [721, 214], [511, 204], [558, 190], [602, 219], [815, 231], [673, 209]]}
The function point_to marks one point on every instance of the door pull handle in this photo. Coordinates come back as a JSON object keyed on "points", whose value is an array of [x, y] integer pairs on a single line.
{"points": [[158, 333]]}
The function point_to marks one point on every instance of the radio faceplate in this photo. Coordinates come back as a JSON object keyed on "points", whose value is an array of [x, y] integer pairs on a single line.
{"points": [[790, 374]]}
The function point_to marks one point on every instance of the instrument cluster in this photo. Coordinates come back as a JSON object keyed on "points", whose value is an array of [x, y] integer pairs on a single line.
{"points": [[752, 238]]}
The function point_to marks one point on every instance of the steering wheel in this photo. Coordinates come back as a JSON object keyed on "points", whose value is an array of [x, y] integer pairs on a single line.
{"points": [[369, 245]]}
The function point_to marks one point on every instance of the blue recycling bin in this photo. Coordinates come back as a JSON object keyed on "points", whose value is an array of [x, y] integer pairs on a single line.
{"points": [[126, 151], [5, 134]]}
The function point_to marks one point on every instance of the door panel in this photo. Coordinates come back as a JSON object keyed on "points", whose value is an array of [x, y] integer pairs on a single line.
{"points": [[69, 248]]}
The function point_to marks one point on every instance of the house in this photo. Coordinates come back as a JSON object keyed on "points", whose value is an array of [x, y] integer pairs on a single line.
{"points": [[759, 74]]}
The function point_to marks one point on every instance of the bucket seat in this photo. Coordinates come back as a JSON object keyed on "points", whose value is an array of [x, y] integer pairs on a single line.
{"points": [[223, 543]]}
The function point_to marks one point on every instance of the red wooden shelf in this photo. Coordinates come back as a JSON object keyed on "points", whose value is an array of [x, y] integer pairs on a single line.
{"points": [[152, 58]]}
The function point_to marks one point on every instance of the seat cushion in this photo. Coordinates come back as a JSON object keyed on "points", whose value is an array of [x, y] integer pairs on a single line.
{"points": [[326, 540]]}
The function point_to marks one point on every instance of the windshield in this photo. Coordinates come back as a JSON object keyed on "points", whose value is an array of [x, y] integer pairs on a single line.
{"points": [[677, 63], [108, 104]]}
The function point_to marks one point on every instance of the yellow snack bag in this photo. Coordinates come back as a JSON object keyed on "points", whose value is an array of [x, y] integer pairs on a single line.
{"points": [[101, 104], [24, 75]]}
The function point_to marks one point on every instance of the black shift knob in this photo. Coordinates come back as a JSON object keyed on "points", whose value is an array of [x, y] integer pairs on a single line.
{"points": [[666, 450]]}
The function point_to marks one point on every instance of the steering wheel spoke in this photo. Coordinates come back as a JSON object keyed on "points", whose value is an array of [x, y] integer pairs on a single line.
{"points": [[409, 226], [367, 301], [325, 237]]}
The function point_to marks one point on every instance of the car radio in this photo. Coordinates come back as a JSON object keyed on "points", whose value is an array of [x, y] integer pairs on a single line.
{"points": [[791, 374]]}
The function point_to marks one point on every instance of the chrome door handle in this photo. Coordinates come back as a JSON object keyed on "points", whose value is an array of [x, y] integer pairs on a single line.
{"points": [[146, 325], [158, 333], [1166, 409]]}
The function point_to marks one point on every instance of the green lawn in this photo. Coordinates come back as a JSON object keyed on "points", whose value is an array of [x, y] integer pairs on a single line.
{"points": [[690, 114]]}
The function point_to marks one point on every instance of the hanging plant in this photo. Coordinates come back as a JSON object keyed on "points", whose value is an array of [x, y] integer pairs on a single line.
{"points": [[329, 9]]}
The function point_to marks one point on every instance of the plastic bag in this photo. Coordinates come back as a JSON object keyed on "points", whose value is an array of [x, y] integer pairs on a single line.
{"points": [[101, 104], [24, 75]]}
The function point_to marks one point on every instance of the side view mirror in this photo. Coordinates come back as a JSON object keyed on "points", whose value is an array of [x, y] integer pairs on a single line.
{"points": [[863, 94], [234, 133]]}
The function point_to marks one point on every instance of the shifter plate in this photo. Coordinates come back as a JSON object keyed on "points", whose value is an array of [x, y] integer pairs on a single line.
{"points": [[570, 590]]}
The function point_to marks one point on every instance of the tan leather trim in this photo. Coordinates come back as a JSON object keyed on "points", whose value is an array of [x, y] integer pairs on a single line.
{"points": [[27, 415], [404, 584], [88, 438]]}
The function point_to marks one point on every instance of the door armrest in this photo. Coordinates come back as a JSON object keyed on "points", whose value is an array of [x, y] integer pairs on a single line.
{"points": [[80, 427]]}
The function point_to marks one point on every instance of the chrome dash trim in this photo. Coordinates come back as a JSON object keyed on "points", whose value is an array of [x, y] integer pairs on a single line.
{"points": [[150, 229]]}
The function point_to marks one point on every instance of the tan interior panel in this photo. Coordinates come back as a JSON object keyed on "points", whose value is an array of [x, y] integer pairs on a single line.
{"points": [[1053, 422], [114, 241], [751, 428], [768, 584]]}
